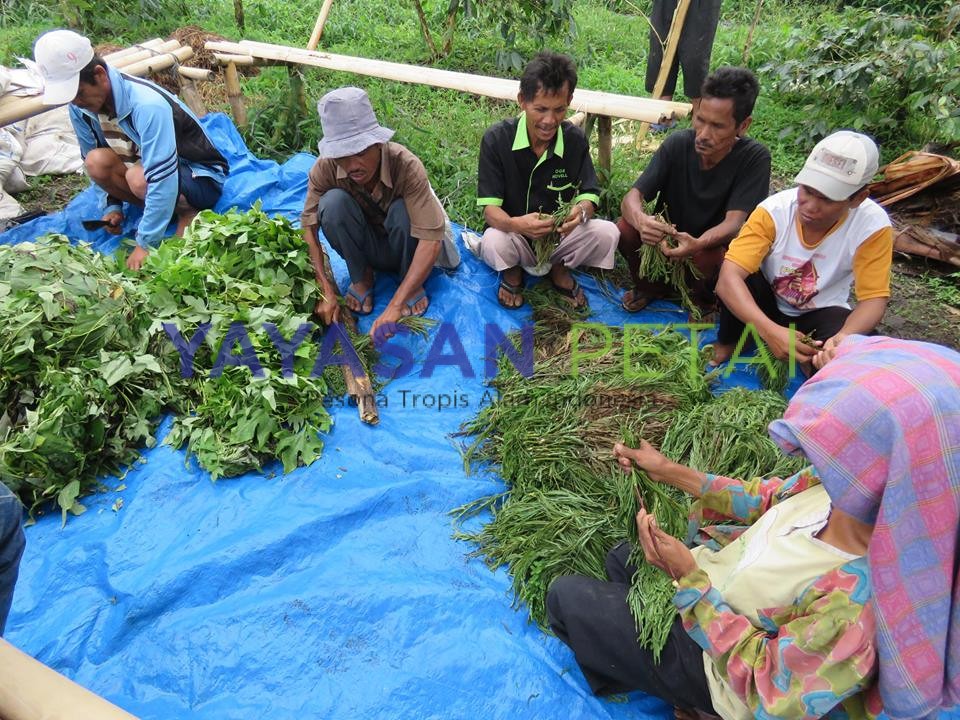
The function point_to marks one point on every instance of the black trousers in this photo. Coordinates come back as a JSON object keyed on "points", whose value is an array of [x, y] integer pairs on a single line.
{"points": [[821, 324], [351, 236], [593, 618]]}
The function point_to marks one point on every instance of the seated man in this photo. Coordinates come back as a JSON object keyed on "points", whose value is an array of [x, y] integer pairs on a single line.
{"points": [[140, 144], [795, 259], [11, 549], [706, 181], [530, 167], [374, 203]]}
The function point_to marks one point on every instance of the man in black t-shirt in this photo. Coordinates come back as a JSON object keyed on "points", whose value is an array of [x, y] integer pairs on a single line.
{"points": [[706, 182], [529, 167]]}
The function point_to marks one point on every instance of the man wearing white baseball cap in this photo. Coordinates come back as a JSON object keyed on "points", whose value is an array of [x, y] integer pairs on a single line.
{"points": [[140, 144], [799, 253], [374, 203]]}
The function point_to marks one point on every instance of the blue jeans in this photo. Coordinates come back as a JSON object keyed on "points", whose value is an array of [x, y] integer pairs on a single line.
{"points": [[11, 548]]}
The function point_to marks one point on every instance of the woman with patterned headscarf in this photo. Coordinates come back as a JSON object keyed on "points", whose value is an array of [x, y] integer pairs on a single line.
{"points": [[842, 598]]}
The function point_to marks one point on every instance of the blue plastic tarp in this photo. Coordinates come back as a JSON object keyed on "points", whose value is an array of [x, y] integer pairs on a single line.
{"points": [[335, 591]]}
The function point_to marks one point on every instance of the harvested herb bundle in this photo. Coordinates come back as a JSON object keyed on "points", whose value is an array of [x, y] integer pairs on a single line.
{"points": [[544, 247], [551, 436], [656, 266]]}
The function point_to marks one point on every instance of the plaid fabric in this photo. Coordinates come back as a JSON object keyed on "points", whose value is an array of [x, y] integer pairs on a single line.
{"points": [[881, 424]]}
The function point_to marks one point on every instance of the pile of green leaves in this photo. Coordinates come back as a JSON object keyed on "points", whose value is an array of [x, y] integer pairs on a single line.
{"points": [[551, 437], [85, 376], [89, 366], [252, 269]]}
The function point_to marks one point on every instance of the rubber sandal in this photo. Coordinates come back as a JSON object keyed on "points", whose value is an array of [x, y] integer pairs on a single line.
{"points": [[572, 292], [638, 302], [414, 300], [361, 300], [515, 290]]}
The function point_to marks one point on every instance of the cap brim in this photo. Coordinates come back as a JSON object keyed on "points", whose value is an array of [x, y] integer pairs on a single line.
{"points": [[60, 92], [825, 184]]}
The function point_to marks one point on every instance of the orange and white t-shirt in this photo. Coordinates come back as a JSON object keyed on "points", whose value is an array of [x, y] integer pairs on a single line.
{"points": [[857, 251]]}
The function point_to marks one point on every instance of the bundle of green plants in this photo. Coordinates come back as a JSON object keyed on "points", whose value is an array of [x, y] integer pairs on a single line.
{"points": [[544, 247], [90, 365], [550, 437], [656, 266]]}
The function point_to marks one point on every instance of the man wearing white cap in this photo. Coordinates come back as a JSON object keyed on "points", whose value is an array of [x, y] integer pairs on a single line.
{"points": [[140, 144], [374, 203], [798, 254]]}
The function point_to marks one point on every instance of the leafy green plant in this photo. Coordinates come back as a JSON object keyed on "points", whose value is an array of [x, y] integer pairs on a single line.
{"points": [[945, 289], [886, 69]]}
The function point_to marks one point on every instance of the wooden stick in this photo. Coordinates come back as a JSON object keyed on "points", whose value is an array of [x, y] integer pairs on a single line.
{"points": [[592, 101], [359, 387], [604, 143], [30, 690], [578, 119], [318, 28], [188, 91], [753, 26], [232, 81], [669, 53]]}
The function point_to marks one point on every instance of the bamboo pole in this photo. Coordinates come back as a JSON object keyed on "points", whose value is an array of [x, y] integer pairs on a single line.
{"points": [[225, 58], [195, 73], [591, 101], [605, 143], [29, 690], [160, 62], [235, 95], [318, 27], [669, 53], [143, 54], [112, 58], [14, 108]]}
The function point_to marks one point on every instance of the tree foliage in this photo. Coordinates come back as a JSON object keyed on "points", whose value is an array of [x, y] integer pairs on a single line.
{"points": [[895, 74]]}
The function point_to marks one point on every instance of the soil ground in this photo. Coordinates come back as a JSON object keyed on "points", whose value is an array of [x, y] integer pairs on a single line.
{"points": [[916, 312]]}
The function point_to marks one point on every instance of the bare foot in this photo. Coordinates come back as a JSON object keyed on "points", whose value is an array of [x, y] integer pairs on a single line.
{"points": [[359, 298], [184, 220], [568, 287], [633, 301], [721, 353], [510, 292], [420, 306]]}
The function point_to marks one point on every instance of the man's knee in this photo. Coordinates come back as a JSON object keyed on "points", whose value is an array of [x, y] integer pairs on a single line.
{"points": [[12, 540], [558, 596], [338, 206], [136, 181], [101, 163]]}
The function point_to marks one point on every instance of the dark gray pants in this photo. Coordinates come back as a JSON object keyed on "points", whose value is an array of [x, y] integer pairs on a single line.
{"points": [[693, 51], [593, 618], [11, 548], [350, 234], [820, 324]]}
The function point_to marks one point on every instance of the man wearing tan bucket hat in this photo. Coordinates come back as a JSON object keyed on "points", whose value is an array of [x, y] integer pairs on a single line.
{"points": [[801, 250], [374, 203]]}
